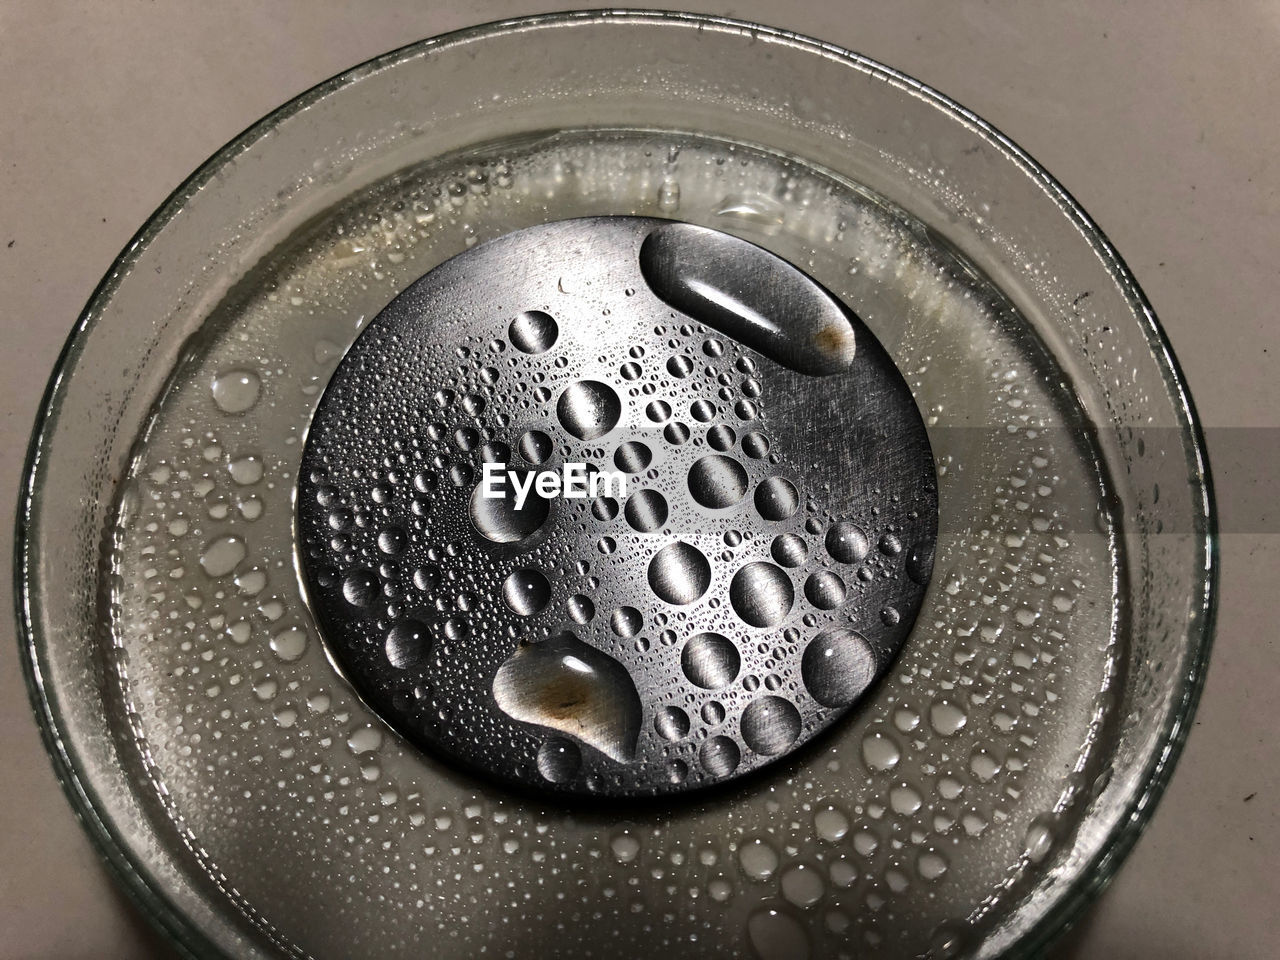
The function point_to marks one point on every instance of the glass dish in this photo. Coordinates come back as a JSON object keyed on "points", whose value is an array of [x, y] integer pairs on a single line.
{"points": [[964, 185]]}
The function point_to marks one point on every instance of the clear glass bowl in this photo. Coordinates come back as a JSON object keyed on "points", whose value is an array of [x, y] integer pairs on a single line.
{"points": [[969, 185]]}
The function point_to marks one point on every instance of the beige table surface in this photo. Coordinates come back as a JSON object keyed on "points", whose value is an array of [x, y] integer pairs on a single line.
{"points": [[1161, 118]]}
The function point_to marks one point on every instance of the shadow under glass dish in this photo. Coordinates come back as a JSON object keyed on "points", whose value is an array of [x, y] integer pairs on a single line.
{"points": [[972, 801]]}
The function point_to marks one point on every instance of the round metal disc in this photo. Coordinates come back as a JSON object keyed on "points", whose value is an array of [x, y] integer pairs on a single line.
{"points": [[752, 557]]}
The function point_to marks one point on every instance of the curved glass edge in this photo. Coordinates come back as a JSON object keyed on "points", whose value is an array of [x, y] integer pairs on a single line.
{"points": [[155, 904]]}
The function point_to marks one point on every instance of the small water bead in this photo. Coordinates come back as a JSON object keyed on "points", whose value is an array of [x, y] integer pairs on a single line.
{"points": [[759, 861], [931, 865], [499, 520], [625, 847], [717, 481], [789, 549], [222, 555], [879, 752], [646, 511], [905, 799], [534, 446], [846, 542], [712, 713], [755, 445], [837, 666], [658, 411], [920, 563], [719, 756], [679, 573], [672, 723], [588, 409], [679, 366], [825, 590], [289, 644], [775, 935], [776, 499], [983, 765], [526, 591], [558, 760], [364, 740], [761, 594], [626, 621], [710, 661], [675, 433], [407, 644], [533, 332], [770, 725], [830, 823], [581, 608], [246, 470], [236, 391], [604, 508], [802, 885], [360, 588], [890, 545], [721, 437], [392, 541], [1040, 838], [947, 718]]}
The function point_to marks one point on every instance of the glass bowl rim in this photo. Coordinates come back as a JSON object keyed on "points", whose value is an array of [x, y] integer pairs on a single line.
{"points": [[155, 903]]}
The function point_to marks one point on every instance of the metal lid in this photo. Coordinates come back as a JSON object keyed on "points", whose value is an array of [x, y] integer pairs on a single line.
{"points": [[615, 506]]}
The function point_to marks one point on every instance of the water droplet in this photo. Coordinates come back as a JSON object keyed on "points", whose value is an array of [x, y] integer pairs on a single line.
{"points": [[588, 409], [646, 511], [719, 756], [245, 470], [626, 621], [880, 752], [710, 661], [837, 666], [498, 520], [625, 847], [679, 573], [581, 608], [1040, 838], [947, 718], [672, 723], [742, 290], [360, 588], [572, 687], [770, 725], [830, 823], [789, 549], [802, 885], [534, 446], [526, 591], [392, 541], [761, 594], [222, 555], [717, 481], [289, 644], [776, 499], [825, 590], [407, 644], [920, 562], [533, 332], [758, 860], [236, 391], [846, 542], [558, 759], [931, 865], [632, 456]]}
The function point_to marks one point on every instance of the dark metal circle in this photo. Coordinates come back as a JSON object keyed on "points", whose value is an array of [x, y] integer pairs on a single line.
{"points": [[757, 562]]}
